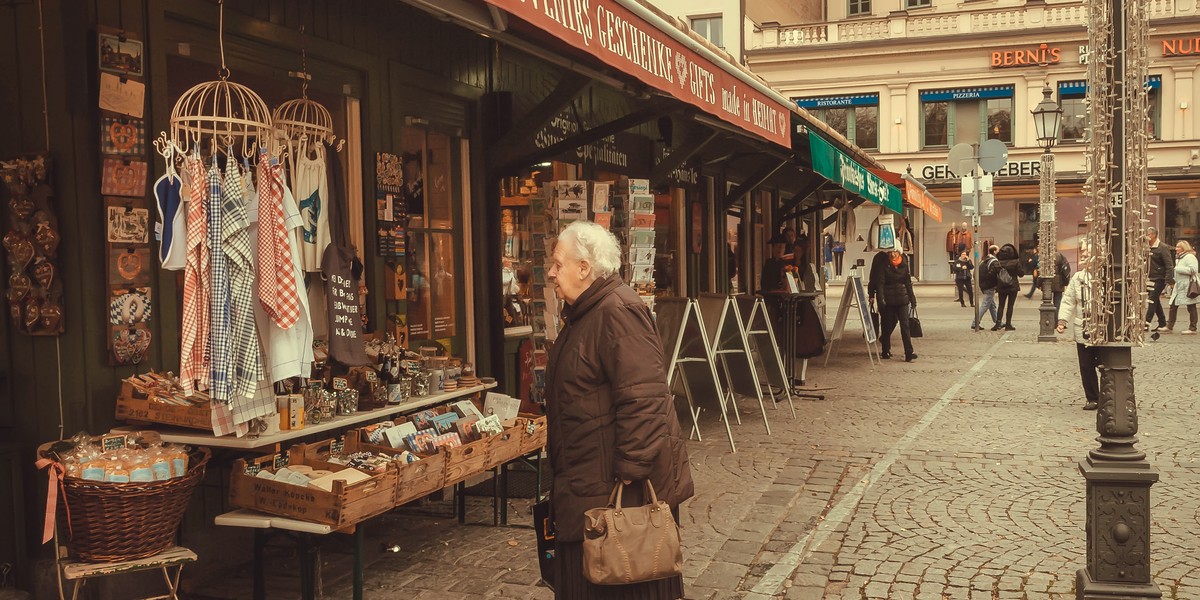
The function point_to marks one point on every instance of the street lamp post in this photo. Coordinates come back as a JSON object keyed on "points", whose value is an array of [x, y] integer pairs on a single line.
{"points": [[1046, 116]]}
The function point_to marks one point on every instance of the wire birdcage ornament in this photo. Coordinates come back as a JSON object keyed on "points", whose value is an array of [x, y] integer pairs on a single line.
{"points": [[303, 119], [225, 113]]}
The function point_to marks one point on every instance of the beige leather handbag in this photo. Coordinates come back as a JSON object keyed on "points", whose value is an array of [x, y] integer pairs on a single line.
{"points": [[630, 545]]}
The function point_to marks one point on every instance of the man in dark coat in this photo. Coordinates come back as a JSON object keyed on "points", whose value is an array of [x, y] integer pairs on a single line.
{"points": [[987, 289], [1007, 288], [1162, 268], [610, 414]]}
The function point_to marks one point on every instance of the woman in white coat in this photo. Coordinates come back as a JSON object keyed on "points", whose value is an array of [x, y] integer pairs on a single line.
{"points": [[1070, 312], [1186, 269]]}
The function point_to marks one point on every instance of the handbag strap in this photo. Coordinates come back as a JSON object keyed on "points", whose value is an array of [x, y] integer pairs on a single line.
{"points": [[614, 499]]}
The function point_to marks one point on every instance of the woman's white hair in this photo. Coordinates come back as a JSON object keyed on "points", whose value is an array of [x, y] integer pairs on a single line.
{"points": [[596, 245]]}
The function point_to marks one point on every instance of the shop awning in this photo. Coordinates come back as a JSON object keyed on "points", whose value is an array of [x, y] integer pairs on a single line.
{"points": [[629, 37], [836, 166], [915, 193]]}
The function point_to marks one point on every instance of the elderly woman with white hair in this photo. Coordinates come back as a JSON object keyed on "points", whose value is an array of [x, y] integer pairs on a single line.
{"points": [[610, 414], [1071, 312]]}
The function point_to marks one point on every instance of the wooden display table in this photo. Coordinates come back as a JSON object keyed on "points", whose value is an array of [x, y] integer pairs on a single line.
{"points": [[262, 524], [198, 438], [176, 557]]}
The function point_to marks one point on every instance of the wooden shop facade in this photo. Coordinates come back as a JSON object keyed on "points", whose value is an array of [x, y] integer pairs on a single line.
{"points": [[472, 104]]}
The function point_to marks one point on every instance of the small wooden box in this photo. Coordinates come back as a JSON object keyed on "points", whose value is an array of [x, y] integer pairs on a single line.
{"points": [[340, 508], [504, 447], [135, 405], [414, 480], [533, 433], [466, 460]]}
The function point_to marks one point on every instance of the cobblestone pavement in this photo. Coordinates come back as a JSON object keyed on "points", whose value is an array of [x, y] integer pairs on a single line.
{"points": [[952, 477]]}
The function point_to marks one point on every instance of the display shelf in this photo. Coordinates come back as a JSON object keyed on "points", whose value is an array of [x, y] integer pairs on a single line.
{"points": [[195, 438], [514, 201]]}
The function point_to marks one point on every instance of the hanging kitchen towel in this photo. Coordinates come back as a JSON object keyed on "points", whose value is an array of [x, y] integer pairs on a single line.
{"points": [[312, 194]]}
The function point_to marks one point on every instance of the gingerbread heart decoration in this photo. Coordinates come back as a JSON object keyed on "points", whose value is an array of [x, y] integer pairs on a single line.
{"points": [[44, 274], [130, 345], [32, 313], [23, 253], [22, 207], [51, 317], [14, 311], [19, 286], [10, 240], [47, 238]]}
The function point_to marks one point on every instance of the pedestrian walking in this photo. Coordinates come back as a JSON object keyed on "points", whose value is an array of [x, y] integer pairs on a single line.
{"points": [[1033, 262], [609, 411], [963, 267], [1008, 283], [1186, 271], [987, 290], [1162, 265], [1071, 312], [1062, 276], [896, 301]]}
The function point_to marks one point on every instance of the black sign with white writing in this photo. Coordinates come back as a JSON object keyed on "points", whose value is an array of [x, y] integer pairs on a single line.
{"points": [[345, 318]]}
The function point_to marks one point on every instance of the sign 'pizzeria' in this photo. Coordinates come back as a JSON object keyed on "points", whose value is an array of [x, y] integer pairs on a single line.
{"points": [[613, 34]]}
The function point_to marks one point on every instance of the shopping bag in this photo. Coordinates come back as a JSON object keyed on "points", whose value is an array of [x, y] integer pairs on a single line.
{"points": [[914, 325], [543, 528]]}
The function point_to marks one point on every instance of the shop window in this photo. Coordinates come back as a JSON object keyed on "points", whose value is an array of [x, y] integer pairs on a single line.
{"points": [[1181, 220], [432, 165], [1076, 120], [859, 7], [1074, 124], [1154, 123], [710, 29], [855, 117], [966, 115], [935, 124]]}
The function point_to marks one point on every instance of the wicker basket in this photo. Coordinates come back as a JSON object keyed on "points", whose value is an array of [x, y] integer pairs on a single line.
{"points": [[112, 522]]}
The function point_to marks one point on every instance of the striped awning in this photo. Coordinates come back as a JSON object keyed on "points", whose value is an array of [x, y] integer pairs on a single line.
{"points": [[837, 101], [968, 93]]}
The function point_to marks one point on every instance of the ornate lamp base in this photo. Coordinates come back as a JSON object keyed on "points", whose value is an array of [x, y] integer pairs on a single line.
{"points": [[1048, 316], [1118, 493]]}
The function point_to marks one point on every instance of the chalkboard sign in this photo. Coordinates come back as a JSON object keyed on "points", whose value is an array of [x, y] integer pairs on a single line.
{"points": [[110, 443], [730, 348], [689, 358], [864, 310]]}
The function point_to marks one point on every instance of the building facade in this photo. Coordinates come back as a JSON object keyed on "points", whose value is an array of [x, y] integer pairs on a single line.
{"points": [[908, 82]]}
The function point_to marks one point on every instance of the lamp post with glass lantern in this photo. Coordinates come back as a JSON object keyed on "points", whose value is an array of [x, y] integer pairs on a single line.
{"points": [[1046, 117]]}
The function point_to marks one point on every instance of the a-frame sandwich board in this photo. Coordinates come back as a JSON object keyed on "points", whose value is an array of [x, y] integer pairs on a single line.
{"points": [[723, 323], [689, 358]]}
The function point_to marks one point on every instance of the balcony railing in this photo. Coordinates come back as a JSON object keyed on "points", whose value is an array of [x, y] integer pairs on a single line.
{"points": [[903, 25]]}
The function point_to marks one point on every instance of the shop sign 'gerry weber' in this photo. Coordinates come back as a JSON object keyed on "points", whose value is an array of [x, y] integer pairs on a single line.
{"points": [[835, 166], [613, 34]]}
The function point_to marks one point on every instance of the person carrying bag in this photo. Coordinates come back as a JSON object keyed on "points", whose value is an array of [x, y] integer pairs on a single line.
{"points": [[624, 545]]}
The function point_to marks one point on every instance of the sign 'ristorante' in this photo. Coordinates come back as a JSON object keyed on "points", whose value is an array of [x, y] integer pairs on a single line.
{"points": [[625, 41]]}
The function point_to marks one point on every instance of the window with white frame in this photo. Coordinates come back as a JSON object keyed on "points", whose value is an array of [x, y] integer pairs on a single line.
{"points": [[710, 29], [966, 115], [1076, 119], [859, 7], [918, 3], [855, 116]]}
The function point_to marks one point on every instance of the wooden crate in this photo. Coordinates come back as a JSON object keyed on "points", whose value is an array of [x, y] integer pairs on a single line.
{"points": [[343, 507], [504, 447], [533, 433], [466, 460], [414, 480], [134, 405]]}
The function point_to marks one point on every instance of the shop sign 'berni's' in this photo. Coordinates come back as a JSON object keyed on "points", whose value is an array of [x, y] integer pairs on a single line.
{"points": [[625, 41]]}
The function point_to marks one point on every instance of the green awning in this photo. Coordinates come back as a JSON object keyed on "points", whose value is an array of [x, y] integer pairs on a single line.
{"points": [[834, 165]]}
